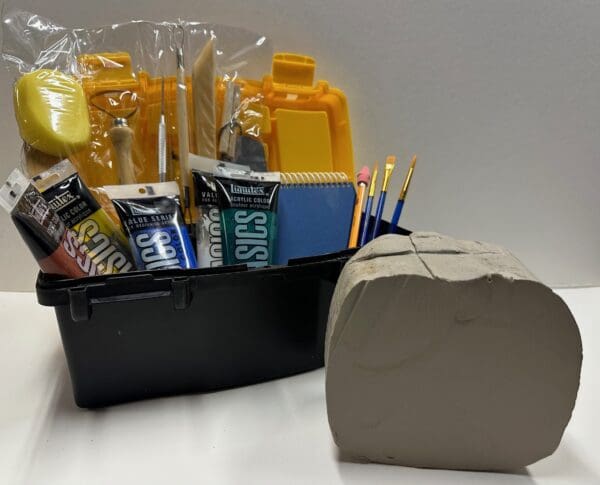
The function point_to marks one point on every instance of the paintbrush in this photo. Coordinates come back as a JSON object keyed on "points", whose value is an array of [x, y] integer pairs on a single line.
{"points": [[390, 162], [367, 216], [402, 196]]}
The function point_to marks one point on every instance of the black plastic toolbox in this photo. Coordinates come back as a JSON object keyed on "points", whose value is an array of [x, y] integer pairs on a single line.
{"points": [[154, 333]]}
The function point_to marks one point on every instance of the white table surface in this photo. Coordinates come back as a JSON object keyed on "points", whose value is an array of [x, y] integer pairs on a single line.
{"points": [[275, 432]]}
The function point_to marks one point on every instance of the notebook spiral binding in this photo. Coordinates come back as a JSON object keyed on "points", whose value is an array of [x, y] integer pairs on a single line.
{"points": [[314, 178]]}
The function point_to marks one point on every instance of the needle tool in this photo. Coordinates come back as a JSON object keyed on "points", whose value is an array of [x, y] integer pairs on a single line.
{"points": [[162, 137], [182, 126]]}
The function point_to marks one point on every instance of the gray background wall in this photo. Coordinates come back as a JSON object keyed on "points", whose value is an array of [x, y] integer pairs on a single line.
{"points": [[499, 99]]}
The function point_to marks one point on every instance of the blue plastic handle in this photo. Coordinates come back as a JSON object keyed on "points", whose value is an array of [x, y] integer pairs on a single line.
{"points": [[367, 216], [396, 216], [379, 214]]}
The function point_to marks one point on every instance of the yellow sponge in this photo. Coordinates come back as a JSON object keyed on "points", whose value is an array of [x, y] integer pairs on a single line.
{"points": [[51, 112]]}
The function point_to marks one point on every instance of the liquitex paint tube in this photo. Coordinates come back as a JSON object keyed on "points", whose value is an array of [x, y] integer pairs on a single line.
{"points": [[209, 248], [249, 217], [66, 193], [151, 216], [55, 247]]}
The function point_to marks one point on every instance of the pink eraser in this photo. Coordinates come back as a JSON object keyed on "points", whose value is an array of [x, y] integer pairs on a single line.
{"points": [[364, 176]]}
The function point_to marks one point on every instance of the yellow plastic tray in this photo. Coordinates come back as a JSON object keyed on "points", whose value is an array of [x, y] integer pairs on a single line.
{"points": [[303, 126]]}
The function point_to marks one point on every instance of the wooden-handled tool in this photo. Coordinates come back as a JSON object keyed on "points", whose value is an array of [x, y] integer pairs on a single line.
{"points": [[203, 93], [121, 136]]}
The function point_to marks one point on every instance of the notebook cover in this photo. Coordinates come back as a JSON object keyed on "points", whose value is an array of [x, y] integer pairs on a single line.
{"points": [[313, 220]]}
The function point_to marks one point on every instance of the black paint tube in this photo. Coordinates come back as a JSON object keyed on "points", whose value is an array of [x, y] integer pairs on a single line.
{"points": [[99, 236], [209, 245], [55, 248], [209, 248]]}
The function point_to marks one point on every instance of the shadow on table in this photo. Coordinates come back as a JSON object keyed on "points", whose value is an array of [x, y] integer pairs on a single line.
{"points": [[563, 465], [353, 470]]}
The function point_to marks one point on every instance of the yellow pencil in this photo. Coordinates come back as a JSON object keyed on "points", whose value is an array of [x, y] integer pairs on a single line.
{"points": [[362, 181]]}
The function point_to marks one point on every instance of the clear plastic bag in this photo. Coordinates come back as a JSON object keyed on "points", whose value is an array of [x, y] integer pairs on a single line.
{"points": [[121, 69]]}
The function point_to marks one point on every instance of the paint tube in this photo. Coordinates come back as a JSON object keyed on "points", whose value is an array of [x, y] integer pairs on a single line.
{"points": [[151, 216], [209, 250], [55, 247], [248, 217], [100, 238]]}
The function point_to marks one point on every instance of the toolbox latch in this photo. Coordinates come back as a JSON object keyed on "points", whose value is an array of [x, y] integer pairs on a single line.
{"points": [[293, 69], [181, 291], [79, 304]]}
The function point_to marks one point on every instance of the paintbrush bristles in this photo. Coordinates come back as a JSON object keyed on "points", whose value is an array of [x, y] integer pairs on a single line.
{"points": [[408, 178], [373, 184], [390, 162]]}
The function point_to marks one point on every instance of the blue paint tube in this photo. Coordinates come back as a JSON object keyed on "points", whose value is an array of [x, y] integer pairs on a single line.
{"points": [[151, 216]]}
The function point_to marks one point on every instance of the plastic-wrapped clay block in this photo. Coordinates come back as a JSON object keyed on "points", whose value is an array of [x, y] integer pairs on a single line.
{"points": [[448, 354]]}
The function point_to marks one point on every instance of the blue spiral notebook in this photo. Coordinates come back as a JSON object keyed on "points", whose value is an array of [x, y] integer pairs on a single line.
{"points": [[314, 214]]}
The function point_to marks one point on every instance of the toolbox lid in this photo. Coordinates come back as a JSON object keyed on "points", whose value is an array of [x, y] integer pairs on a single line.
{"points": [[304, 125]]}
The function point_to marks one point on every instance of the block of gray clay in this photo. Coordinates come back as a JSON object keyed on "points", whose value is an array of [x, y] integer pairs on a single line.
{"points": [[448, 354]]}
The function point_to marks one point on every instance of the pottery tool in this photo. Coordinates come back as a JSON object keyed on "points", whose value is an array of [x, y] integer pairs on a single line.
{"points": [[364, 237], [52, 115], [204, 96], [183, 130], [162, 137], [121, 135], [402, 197], [230, 125], [362, 182], [390, 162]]}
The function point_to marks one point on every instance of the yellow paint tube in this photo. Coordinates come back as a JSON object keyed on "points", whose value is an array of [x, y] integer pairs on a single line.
{"points": [[100, 238]]}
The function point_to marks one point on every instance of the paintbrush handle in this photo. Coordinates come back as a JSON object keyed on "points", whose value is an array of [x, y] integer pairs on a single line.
{"points": [[357, 214], [364, 237], [121, 137], [396, 216], [379, 214]]}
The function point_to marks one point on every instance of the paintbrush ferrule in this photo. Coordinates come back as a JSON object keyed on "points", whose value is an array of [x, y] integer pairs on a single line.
{"points": [[373, 184], [407, 179], [390, 162]]}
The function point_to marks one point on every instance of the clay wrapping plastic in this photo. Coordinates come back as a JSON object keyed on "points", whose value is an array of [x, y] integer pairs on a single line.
{"points": [[100, 238], [55, 248], [151, 216], [249, 218], [121, 69]]}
